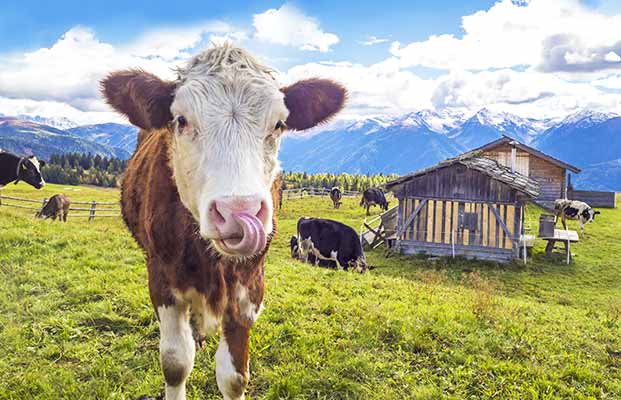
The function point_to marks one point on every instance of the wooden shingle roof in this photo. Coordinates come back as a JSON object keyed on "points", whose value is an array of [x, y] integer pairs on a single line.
{"points": [[485, 165]]}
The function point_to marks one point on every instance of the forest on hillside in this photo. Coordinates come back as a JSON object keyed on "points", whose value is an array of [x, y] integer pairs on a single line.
{"points": [[84, 169], [354, 182], [89, 169]]}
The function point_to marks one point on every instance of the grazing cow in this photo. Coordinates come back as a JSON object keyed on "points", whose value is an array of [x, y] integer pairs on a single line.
{"points": [[326, 239], [199, 192], [14, 169], [293, 245], [56, 207], [372, 197], [295, 254], [574, 209], [336, 196]]}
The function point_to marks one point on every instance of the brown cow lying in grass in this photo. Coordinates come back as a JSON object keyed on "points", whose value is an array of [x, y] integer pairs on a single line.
{"points": [[56, 207], [199, 192]]}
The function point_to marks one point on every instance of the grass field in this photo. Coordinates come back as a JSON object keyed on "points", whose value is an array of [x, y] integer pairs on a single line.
{"points": [[76, 322]]}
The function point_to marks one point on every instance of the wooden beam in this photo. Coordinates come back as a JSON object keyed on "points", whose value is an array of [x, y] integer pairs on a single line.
{"points": [[501, 222], [411, 218]]}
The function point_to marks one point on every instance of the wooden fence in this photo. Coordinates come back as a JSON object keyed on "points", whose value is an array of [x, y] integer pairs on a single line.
{"points": [[594, 198], [313, 192], [92, 209]]}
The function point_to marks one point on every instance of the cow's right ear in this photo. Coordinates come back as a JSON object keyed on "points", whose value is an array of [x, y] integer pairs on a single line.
{"points": [[142, 97]]}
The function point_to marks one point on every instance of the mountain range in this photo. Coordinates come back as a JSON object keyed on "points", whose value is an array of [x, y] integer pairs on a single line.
{"points": [[589, 140]]}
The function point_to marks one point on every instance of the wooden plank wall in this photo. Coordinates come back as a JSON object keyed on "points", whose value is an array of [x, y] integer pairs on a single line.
{"points": [[594, 198], [550, 177], [441, 222]]}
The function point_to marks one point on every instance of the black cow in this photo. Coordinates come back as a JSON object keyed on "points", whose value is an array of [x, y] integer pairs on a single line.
{"points": [[56, 207], [372, 197], [14, 169], [326, 239], [574, 209], [336, 196]]}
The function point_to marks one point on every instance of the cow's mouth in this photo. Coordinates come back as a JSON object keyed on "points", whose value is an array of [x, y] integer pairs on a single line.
{"points": [[252, 241]]}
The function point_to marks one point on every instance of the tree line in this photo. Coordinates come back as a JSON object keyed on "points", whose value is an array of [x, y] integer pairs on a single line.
{"points": [[354, 182], [89, 169], [84, 169]]}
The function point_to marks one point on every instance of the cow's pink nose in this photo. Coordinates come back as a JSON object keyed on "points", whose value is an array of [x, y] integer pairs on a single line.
{"points": [[240, 222]]}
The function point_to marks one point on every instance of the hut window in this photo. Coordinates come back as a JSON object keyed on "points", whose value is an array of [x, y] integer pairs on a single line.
{"points": [[469, 221]]}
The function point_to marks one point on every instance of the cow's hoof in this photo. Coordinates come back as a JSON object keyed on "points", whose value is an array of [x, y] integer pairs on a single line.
{"points": [[145, 397]]}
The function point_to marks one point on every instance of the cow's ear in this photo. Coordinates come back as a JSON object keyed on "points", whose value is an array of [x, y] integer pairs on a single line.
{"points": [[142, 97], [313, 101], [41, 163]]}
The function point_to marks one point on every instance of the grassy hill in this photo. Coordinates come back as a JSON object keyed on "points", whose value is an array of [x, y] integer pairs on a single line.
{"points": [[76, 321]]}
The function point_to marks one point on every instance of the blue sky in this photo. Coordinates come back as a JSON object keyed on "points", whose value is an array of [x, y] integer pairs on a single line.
{"points": [[540, 58]]}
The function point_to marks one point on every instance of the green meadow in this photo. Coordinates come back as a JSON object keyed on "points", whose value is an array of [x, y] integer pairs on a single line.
{"points": [[76, 320]]}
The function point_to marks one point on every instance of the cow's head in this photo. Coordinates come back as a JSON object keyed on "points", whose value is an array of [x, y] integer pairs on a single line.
{"points": [[589, 215], [359, 264], [226, 115], [293, 245], [29, 171]]}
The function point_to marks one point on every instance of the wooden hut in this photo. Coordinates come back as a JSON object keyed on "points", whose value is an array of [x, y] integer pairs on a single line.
{"points": [[549, 172], [471, 206]]}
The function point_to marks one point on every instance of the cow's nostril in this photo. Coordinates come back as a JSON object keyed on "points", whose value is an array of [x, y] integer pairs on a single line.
{"points": [[262, 213], [215, 214]]}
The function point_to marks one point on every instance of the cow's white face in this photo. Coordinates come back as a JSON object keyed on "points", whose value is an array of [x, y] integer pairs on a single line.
{"points": [[227, 130], [226, 114]]}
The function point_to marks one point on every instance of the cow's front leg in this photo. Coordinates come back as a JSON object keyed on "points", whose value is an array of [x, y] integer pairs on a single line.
{"points": [[177, 348], [232, 361], [232, 371]]}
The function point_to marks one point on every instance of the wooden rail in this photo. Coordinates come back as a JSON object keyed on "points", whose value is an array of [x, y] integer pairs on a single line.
{"points": [[299, 193], [93, 210]]}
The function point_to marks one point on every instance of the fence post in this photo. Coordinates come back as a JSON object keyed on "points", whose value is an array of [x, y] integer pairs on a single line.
{"points": [[92, 212]]}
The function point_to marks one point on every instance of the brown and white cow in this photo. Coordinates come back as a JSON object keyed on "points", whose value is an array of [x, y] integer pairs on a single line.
{"points": [[199, 192]]}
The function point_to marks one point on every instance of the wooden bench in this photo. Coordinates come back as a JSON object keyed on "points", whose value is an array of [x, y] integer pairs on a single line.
{"points": [[563, 236]]}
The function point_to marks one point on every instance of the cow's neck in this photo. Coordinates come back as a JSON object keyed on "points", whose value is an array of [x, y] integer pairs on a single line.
{"points": [[8, 168]]}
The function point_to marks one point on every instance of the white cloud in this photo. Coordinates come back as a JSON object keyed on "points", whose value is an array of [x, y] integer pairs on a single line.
{"points": [[609, 82], [287, 26], [524, 33], [69, 71], [376, 89], [50, 109], [612, 57], [373, 40]]}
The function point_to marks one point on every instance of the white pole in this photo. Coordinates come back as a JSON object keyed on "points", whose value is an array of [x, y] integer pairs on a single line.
{"points": [[453, 242]]}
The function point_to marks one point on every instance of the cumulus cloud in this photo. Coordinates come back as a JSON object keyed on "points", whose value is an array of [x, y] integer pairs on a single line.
{"points": [[288, 26], [528, 93], [553, 35], [373, 40], [69, 70], [380, 88]]}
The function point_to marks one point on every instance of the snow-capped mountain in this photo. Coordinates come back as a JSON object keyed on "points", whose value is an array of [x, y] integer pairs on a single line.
{"points": [[380, 144], [111, 134], [54, 122], [485, 126], [584, 138]]}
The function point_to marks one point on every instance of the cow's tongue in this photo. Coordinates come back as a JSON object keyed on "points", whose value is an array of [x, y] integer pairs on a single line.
{"points": [[254, 239]]}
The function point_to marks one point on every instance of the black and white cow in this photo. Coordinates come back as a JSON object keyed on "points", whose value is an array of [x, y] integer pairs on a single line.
{"points": [[336, 196], [326, 239], [574, 209], [14, 169], [295, 254], [372, 197]]}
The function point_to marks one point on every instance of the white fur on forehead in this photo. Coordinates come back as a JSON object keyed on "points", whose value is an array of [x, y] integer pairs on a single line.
{"points": [[230, 91], [224, 58]]}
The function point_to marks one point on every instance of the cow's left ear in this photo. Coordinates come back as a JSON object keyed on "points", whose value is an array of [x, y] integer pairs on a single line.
{"points": [[313, 101], [41, 163]]}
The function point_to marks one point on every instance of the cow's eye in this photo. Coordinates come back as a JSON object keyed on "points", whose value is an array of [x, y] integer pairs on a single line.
{"points": [[280, 125], [182, 122]]}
